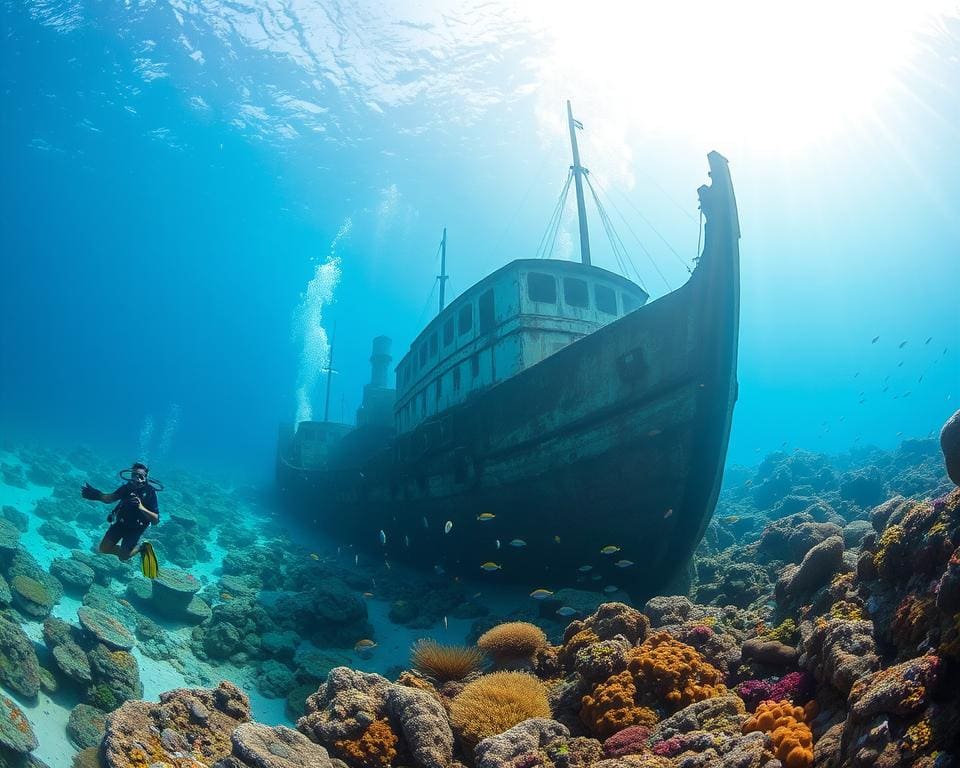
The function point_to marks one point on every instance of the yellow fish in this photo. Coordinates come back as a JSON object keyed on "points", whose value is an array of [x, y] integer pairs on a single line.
{"points": [[364, 645], [314, 556], [609, 550], [729, 519], [483, 517], [540, 594], [491, 567]]}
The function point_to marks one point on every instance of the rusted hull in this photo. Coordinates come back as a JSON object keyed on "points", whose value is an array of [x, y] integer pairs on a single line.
{"points": [[617, 440]]}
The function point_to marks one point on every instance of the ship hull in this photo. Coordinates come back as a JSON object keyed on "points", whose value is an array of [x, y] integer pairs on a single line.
{"points": [[617, 440]]}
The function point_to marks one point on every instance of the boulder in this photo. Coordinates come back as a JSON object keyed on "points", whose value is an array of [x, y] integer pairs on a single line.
{"points": [[260, 746], [105, 629], [173, 590], [526, 737], [57, 531], [31, 597], [86, 726], [74, 575], [19, 667], [16, 734], [816, 569], [13, 515], [72, 662], [423, 723]]}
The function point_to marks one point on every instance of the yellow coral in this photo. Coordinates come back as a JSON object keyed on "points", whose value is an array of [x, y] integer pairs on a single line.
{"points": [[892, 536], [846, 611], [791, 736], [512, 641], [784, 632], [612, 706], [673, 672], [494, 703], [918, 736], [375, 748], [446, 662]]}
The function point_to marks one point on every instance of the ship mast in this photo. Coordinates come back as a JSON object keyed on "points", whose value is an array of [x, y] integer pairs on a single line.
{"points": [[326, 407], [578, 172], [442, 277]]}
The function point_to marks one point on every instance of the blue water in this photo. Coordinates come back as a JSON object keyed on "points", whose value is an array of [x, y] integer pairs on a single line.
{"points": [[174, 174]]}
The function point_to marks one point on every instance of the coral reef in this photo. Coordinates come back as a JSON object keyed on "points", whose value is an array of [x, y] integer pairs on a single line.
{"points": [[494, 703]]}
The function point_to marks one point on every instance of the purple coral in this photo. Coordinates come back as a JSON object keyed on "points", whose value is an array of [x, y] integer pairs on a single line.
{"points": [[795, 686], [668, 747], [754, 691], [630, 741]]}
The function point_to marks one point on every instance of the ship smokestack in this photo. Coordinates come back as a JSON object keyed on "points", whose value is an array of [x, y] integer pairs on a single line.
{"points": [[380, 361]]}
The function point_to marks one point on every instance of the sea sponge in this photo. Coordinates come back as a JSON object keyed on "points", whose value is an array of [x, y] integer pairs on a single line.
{"points": [[442, 663], [494, 703], [612, 706], [512, 641], [376, 747], [791, 736], [674, 673]]}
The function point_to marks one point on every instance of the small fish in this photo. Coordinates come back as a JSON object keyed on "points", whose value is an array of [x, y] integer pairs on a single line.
{"points": [[518, 543], [596, 577], [315, 556], [929, 339], [445, 625], [438, 569], [383, 538], [406, 541], [425, 524], [654, 432], [497, 542], [875, 339], [490, 566], [609, 589], [856, 374], [356, 559], [729, 519], [226, 596], [566, 611], [609, 549], [623, 563], [902, 345], [668, 513], [585, 568], [368, 595], [448, 526], [556, 539], [364, 645], [747, 483], [485, 517], [475, 595], [540, 594]]}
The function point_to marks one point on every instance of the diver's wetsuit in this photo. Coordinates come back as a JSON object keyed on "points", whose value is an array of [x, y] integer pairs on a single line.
{"points": [[129, 523]]}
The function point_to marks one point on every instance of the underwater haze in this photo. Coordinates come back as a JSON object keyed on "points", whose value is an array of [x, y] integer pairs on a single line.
{"points": [[199, 201]]}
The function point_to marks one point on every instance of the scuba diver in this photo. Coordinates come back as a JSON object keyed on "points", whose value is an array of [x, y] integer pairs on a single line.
{"points": [[137, 510]]}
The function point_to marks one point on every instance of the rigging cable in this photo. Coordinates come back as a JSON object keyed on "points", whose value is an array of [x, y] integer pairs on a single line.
{"points": [[516, 211], [550, 234], [646, 221], [646, 252], [433, 288]]}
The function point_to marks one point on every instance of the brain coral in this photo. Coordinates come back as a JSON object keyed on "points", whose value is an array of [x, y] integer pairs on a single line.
{"points": [[494, 703], [512, 641], [792, 739]]}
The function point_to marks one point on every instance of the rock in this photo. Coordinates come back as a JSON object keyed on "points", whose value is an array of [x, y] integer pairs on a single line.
{"points": [[19, 667], [72, 661], [183, 716], [103, 599], [791, 537], [528, 736], [855, 532], [950, 445], [9, 539], [898, 690], [105, 629], [816, 569], [771, 652], [341, 707], [16, 734], [74, 575], [221, 640], [116, 678], [261, 746], [172, 592], [274, 679], [86, 726], [31, 597], [13, 515], [863, 487], [423, 723], [198, 611], [6, 596], [840, 652], [280, 644], [58, 532]]}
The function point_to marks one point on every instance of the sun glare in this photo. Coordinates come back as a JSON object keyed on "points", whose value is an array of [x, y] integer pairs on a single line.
{"points": [[771, 74]]}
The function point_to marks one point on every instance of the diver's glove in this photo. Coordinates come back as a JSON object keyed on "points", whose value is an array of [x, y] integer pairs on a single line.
{"points": [[91, 493]]}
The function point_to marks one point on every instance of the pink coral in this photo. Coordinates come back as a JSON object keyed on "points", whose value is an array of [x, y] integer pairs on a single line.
{"points": [[630, 741]]}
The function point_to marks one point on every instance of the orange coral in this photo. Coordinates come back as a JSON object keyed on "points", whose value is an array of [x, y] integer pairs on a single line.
{"points": [[792, 738], [512, 641], [376, 747], [673, 672], [612, 707], [494, 703], [662, 674]]}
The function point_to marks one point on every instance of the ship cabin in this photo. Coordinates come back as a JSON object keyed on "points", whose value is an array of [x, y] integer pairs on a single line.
{"points": [[509, 321]]}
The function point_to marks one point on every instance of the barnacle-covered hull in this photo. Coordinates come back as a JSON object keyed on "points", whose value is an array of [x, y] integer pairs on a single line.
{"points": [[618, 439]]}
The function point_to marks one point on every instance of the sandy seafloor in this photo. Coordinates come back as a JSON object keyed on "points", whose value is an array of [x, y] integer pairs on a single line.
{"points": [[48, 715]]}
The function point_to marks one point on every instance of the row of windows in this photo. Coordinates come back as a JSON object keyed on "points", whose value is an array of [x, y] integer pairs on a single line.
{"points": [[417, 407], [459, 324], [542, 288]]}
